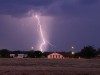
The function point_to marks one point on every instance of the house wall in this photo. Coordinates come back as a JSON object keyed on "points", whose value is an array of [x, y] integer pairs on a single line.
{"points": [[12, 55], [55, 56]]}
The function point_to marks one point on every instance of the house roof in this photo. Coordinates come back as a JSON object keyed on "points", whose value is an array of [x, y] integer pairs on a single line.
{"points": [[65, 54], [60, 53], [55, 54]]}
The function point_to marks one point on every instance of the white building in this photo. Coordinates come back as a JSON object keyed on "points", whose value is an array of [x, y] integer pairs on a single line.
{"points": [[18, 55], [12, 55], [55, 56], [22, 55]]}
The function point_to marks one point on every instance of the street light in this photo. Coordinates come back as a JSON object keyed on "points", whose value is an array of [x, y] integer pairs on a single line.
{"points": [[73, 53]]}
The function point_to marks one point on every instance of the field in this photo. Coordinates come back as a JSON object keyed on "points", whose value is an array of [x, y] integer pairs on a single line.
{"points": [[28, 66]]}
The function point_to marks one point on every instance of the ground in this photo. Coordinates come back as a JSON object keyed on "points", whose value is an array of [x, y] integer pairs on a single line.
{"points": [[29, 66]]}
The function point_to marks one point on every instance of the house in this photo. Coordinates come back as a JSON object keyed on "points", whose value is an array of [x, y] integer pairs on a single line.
{"points": [[12, 55], [22, 56], [55, 56], [18, 55]]}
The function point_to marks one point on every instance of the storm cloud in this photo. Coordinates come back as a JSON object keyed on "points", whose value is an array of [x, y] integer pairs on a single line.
{"points": [[47, 7], [74, 22], [20, 7]]}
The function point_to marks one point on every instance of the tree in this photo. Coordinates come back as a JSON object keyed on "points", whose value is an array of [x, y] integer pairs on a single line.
{"points": [[98, 52], [17, 52], [45, 54], [30, 54], [4, 53], [88, 52], [34, 54], [37, 54], [77, 55]]}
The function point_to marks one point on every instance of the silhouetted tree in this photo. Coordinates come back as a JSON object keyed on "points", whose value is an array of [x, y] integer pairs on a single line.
{"points": [[77, 55], [16, 52], [37, 54], [4, 53], [98, 51], [45, 54], [30, 54], [88, 52]]}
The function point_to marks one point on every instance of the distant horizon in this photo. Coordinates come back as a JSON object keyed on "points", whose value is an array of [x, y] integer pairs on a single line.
{"points": [[71, 50]]}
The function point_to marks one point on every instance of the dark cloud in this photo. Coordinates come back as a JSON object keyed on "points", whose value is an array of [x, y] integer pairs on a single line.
{"points": [[75, 22], [49, 7], [21, 7], [88, 1], [73, 7]]}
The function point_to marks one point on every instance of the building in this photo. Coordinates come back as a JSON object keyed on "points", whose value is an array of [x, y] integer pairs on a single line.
{"points": [[22, 56], [12, 55], [18, 55], [55, 56]]}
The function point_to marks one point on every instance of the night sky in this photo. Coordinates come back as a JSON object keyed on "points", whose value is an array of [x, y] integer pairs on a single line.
{"points": [[65, 23]]}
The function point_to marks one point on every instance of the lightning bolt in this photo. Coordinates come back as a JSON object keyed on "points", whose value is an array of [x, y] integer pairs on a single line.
{"points": [[41, 33]]}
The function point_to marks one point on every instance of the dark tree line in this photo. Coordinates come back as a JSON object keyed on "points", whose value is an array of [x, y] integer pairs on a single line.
{"points": [[86, 52], [4, 53]]}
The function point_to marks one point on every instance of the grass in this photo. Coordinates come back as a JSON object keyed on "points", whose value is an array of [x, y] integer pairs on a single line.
{"points": [[28, 66]]}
